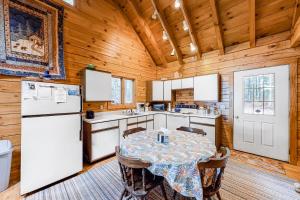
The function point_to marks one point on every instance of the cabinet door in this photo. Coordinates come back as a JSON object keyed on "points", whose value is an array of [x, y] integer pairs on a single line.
{"points": [[167, 91], [174, 122], [187, 83], [150, 125], [176, 84], [209, 130], [157, 90], [206, 88], [103, 143], [159, 121], [122, 128], [97, 86]]}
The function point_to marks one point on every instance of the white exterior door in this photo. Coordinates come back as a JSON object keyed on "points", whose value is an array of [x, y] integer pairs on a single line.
{"points": [[261, 112]]}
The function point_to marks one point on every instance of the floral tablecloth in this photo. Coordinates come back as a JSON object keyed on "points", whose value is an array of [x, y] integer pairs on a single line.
{"points": [[176, 161]]}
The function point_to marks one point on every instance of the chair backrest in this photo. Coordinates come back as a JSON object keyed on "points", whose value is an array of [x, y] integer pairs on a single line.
{"points": [[133, 130], [131, 168], [192, 130], [216, 166]]}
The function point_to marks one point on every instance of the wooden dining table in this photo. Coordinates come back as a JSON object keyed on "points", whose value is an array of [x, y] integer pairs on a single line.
{"points": [[176, 161]]}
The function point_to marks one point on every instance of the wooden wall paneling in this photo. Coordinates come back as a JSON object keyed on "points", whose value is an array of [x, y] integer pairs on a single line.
{"points": [[191, 30], [293, 112], [217, 25], [166, 27], [252, 23]]}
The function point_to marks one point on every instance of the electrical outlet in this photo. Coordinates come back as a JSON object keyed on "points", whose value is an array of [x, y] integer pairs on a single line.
{"points": [[101, 107]]}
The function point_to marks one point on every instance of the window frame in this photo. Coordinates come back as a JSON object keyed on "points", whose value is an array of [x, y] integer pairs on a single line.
{"points": [[123, 92]]}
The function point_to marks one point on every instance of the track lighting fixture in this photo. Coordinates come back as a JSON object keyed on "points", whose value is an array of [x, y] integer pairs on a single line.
{"points": [[185, 25], [193, 47], [173, 52], [154, 15], [177, 3], [165, 35]]}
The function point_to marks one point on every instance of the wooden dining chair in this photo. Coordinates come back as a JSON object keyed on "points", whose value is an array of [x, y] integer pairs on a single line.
{"points": [[192, 130], [136, 179], [132, 131], [211, 173]]}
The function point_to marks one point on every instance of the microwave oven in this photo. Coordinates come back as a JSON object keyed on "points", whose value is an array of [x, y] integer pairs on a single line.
{"points": [[158, 107]]}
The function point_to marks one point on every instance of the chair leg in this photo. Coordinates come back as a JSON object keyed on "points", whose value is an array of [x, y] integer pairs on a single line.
{"points": [[219, 196], [163, 191], [122, 195], [174, 194]]}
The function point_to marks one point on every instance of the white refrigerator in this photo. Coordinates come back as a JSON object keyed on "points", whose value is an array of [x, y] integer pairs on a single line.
{"points": [[51, 133]]}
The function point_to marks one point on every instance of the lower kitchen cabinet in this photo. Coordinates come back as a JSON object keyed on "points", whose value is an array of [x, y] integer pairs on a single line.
{"points": [[100, 139], [160, 121], [176, 121], [210, 126]]}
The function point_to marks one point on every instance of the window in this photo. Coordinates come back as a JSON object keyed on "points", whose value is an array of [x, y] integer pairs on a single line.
{"points": [[259, 94], [128, 91], [116, 90], [122, 91], [71, 2]]}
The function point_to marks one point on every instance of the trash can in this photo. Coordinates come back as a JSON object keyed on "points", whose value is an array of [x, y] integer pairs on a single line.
{"points": [[5, 163]]}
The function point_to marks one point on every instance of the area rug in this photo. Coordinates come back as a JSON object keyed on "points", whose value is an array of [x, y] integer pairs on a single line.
{"points": [[240, 182]]}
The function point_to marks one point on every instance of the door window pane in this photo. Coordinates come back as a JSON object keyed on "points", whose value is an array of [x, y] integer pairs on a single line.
{"points": [[248, 95], [128, 91], [269, 108], [248, 107], [269, 94], [116, 90], [259, 94], [258, 108]]}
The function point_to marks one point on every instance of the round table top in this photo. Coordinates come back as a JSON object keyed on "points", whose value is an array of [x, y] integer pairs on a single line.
{"points": [[175, 161], [183, 147]]}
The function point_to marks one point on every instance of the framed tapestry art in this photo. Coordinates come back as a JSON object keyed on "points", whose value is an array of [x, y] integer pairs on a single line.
{"points": [[31, 35]]}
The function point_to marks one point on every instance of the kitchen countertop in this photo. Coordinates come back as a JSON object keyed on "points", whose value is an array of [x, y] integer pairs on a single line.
{"points": [[117, 115]]}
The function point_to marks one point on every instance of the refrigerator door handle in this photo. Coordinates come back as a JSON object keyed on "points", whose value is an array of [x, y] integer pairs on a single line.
{"points": [[80, 131]]}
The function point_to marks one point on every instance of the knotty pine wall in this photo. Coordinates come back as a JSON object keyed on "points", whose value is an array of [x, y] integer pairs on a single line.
{"points": [[94, 32], [271, 51]]}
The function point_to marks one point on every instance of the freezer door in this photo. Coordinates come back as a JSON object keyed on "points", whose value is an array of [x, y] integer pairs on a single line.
{"points": [[51, 150], [40, 98]]}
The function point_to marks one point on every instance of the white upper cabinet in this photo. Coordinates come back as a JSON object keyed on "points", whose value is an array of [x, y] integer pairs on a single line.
{"points": [[187, 83], [157, 90], [176, 84], [167, 91], [97, 85], [206, 88]]}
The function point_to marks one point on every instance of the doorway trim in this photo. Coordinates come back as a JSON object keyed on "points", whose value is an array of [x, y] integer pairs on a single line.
{"points": [[293, 148]]}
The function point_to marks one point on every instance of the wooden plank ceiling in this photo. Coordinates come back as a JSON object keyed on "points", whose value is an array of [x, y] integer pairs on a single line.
{"points": [[213, 24]]}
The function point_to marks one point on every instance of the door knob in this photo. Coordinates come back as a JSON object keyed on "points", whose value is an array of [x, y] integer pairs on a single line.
{"points": [[237, 117]]}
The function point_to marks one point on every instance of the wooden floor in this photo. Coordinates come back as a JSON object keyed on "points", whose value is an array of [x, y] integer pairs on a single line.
{"points": [[267, 164]]}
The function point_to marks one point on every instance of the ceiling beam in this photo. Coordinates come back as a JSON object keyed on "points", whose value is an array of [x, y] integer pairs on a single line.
{"points": [[295, 14], [141, 22], [192, 32], [167, 28], [217, 25], [295, 38], [252, 23]]}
